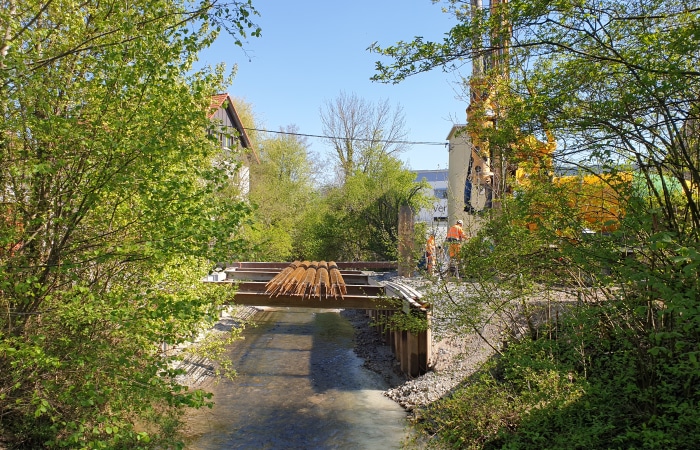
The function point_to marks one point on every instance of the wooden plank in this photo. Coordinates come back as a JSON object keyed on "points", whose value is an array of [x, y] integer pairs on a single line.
{"points": [[387, 331], [413, 355], [427, 345], [403, 353], [406, 226]]}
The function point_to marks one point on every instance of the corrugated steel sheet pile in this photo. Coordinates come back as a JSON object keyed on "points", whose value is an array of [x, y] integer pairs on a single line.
{"points": [[308, 279]]}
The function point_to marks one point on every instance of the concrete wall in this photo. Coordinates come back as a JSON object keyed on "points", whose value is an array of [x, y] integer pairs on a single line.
{"points": [[460, 154]]}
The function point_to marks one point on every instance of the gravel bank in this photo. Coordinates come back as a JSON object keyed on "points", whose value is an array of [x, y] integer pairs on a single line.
{"points": [[454, 358]]}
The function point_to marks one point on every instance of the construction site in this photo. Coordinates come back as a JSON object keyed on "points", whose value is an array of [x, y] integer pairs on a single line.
{"points": [[479, 178]]}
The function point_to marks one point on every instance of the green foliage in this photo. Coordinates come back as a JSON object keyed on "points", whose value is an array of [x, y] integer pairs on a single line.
{"points": [[584, 389], [107, 223], [283, 191], [415, 321], [297, 216], [615, 365], [359, 219], [98, 364]]}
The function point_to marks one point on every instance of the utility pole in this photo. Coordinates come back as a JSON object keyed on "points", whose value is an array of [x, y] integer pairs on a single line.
{"points": [[406, 226]]}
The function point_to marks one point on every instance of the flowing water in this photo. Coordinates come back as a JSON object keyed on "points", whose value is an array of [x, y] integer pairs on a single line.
{"points": [[299, 386]]}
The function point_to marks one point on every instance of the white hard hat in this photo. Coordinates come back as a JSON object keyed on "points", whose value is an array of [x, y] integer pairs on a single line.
{"points": [[460, 222]]}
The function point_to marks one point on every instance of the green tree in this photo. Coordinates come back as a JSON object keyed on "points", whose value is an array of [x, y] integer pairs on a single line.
{"points": [[283, 190], [360, 132], [616, 82], [360, 219], [106, 229]]}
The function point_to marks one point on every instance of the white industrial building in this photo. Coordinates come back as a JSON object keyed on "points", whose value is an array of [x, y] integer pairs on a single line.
{"points": [[435, 216]]}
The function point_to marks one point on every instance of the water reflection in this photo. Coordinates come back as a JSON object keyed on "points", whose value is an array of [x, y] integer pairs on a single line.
{"points": [[300, 385]]}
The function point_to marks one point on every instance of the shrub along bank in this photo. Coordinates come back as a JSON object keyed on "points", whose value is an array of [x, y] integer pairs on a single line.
{"points": [[616, 368]]}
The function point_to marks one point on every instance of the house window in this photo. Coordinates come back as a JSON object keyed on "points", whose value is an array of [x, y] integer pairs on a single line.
{"points": [[227, 140]]}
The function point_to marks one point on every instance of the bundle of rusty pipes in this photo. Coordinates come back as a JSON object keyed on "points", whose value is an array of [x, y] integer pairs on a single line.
{"points": [[308, 279]]}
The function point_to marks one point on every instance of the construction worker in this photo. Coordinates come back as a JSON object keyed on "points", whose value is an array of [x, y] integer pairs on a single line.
{"points": [[430, 253], [455, 237]]}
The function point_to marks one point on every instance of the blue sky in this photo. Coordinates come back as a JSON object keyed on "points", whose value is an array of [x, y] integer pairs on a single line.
{"points": [[310, 51]]}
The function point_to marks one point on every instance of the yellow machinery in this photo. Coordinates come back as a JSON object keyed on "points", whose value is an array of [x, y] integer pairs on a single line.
{"points": [[595, 197], [488, 69]]}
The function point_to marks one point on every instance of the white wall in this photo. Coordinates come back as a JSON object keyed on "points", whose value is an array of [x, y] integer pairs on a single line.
{"points": [[460, 156]]}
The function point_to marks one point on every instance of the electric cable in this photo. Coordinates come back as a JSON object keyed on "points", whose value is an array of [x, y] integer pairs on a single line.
{"points": [[386, 141]]}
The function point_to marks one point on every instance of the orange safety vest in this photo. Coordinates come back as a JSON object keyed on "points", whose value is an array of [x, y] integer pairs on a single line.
{"points": [[456, 233], [430, 246], [430, 253], [455, 236]]}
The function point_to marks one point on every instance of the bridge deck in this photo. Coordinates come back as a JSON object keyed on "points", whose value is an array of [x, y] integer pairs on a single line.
{"points": [[413, 351], [296, 301], [250, 279]]}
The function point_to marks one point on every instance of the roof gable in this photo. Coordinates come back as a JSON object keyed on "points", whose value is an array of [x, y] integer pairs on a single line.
{"points": [[224, 101]]}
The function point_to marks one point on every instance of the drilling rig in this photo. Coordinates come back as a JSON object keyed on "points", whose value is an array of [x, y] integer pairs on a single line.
{"points": [[594, 197], [489, 70]]}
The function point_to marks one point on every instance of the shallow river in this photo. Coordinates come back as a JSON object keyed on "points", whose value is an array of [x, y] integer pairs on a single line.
{"points": [[299, 386]]}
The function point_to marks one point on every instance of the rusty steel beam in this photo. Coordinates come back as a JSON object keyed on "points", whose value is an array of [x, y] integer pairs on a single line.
{"points": [[295, 301], [353, 289], [342, 265]]}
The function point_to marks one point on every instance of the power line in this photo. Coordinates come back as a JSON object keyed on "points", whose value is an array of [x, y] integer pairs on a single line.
{"points": [[386, 141]]}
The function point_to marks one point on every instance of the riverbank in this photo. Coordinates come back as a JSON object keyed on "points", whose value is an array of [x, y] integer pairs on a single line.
{"points": [[454, 358], [200, 371]]}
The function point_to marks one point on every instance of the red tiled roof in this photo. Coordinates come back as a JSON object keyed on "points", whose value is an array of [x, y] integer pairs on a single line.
{"points": [[217, 102]]}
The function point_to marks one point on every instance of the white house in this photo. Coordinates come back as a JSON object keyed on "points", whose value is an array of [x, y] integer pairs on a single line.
{"points": [[233, 136]]}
